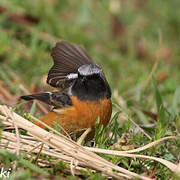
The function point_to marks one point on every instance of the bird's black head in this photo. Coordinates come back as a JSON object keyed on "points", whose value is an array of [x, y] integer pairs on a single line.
{"points": [[90, 84]]}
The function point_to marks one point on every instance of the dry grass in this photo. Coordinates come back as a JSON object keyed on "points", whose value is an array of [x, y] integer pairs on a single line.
{"points": [[39, 141]]}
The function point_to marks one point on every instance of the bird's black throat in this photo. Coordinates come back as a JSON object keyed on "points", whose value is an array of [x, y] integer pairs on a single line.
{"points": [[91, 88]]}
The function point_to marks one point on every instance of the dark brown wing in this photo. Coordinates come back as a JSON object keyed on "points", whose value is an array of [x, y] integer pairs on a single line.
{"points": [[67, 59], [56, 99]]}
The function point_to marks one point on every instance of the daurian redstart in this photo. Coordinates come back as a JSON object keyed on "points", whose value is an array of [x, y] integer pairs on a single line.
{"points": [[83, 92]]}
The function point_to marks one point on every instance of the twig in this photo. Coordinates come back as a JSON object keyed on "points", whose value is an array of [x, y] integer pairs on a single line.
{"points": [[38, 155], [142, 130], [17, 133], [50, 128], [121, 102], [70, 148], [83, 136], [34, 148]]}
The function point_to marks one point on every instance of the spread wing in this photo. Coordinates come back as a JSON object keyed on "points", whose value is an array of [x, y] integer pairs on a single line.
{"points": [[56, 99], [67, 59]]}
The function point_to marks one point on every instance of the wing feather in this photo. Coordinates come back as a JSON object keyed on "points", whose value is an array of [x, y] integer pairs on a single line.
{"points": [[56, 99], [67, 59]]}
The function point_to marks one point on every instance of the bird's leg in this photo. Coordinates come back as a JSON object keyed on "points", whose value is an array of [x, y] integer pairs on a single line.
{"points": [[83, 136]]}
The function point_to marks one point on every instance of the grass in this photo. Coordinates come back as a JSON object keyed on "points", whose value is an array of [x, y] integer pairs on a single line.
{"points": [[138, 46]]}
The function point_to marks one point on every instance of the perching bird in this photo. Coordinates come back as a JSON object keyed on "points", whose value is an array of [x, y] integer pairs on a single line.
{"points": [[83, 92]]}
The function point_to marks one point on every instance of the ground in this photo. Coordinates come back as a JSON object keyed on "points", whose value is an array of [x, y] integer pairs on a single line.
{"points": [[137, 44]]}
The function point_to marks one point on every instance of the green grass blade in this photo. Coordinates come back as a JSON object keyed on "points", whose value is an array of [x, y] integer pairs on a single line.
{"points": [[162, 124], [176, 100], [33, 108]]}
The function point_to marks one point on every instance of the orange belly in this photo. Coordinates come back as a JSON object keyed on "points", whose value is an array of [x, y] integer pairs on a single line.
{"points": [[83, 114]]}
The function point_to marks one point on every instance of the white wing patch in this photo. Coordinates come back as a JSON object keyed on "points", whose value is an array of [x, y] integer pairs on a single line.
{"points": [[72, 76]]}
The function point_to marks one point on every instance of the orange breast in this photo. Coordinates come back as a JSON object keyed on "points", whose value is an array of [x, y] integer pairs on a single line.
{"points": [[83, 114]]}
